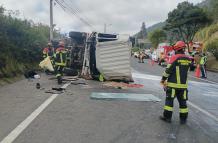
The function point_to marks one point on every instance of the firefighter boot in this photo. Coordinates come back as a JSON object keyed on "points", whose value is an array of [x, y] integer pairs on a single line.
{"points": [[168, 120]]}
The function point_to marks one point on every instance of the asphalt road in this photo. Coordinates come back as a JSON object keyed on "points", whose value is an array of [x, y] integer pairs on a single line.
{"points": [[29, 115]]}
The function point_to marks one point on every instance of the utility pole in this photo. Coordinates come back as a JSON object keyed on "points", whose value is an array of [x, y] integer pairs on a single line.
{"points": [[51, 20], [105, 28]]}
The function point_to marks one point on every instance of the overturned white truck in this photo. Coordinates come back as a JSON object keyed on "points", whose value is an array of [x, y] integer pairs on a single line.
{"points": [[106, 55]]}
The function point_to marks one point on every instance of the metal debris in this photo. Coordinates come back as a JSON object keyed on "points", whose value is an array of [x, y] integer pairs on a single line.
{"points": [[172, 136]]}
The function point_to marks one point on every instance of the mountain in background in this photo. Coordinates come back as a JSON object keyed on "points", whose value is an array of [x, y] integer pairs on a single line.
{"points": [[159, 25], [151, 28]]}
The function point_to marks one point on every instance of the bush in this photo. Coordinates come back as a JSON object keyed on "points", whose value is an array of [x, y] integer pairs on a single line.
{"points": [[21, 43], [212, 46], [206, 33], [135, 49]]}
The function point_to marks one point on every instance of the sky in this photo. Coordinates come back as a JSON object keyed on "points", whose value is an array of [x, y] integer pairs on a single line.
{"points": [[119, 16]]}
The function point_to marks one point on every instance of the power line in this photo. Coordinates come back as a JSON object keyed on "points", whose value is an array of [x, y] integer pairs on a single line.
{"points": [[76, 13], [73, 12]]}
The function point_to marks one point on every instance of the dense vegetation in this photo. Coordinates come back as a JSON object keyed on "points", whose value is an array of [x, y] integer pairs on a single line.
{"points": [[21, 42], [184, 21], [209, 34], [157, 36]]}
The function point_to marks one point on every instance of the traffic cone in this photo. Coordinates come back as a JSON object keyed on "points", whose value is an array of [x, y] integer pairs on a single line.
{"points": [[198, 72]]}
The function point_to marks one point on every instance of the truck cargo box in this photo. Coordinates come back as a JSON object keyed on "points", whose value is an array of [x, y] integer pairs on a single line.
{"points": [[113, 57]]}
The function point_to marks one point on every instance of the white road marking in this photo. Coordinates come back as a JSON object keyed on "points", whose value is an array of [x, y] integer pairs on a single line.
{"points": [[203, 111], [23, 125], [65, 85], [204, 79]]}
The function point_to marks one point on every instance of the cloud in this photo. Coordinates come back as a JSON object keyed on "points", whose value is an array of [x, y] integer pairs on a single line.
{"points": [[124, 16]]}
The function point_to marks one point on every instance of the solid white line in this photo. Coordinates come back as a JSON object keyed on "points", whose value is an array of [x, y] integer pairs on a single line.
{"points": [[203, 111], [23, 125], [65, 85], [204, 79]]}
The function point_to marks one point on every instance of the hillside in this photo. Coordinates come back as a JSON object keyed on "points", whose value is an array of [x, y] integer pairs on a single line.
{"points": [[156, 26], [204, 3]]}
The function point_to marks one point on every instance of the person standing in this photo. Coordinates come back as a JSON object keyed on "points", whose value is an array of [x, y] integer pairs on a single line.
{"points": [[203, 62], [60, 61], [174, 81], [48, 51]]}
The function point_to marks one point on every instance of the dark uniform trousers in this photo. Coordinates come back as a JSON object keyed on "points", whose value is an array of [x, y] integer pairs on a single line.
{"points": [[182, 97]]}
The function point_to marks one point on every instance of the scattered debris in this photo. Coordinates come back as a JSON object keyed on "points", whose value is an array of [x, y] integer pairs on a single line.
{"points": [[30, 74], [124, 96], [37, 85], [121, 85], [78, 83], [172, 136], [37, 76], [69, 79], [54, 92], [58, 89]]}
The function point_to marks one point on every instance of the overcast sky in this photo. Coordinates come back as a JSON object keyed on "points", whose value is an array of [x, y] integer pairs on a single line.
{"points": [[120, 16]]}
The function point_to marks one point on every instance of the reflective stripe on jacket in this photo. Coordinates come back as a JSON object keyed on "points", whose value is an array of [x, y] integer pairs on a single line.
{"points": [[203, 60], [61, 57], [176, 72]]}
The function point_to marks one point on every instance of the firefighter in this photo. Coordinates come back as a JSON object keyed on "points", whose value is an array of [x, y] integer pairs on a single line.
{"points": [[48, 51], [174, 81], [203, 61], [60, 61]]}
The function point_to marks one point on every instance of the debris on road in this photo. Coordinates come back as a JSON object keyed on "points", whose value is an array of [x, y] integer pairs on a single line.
{"points": [[30, 74], [71, 78], [37, 76], [172, 136], [78, 83], [121, 85], [37, 85], [124, 96], [54, 92], [58, 89]]}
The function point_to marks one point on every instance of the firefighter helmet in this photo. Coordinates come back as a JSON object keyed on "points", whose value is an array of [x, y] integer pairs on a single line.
{"points": [[179, 45], [49, 44]]}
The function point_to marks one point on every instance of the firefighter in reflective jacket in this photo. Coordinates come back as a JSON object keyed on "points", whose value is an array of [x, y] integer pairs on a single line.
{"points": [[175, 83], [48, 51], [60, 61], [203, 62]]}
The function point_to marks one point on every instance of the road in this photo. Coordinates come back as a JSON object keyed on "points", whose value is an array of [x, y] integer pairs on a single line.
{"points": [[31, 115]]}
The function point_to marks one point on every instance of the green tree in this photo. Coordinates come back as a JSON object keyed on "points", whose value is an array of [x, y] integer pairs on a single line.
{"points": [[21, 43], [156, 37], [213, 8], [185, 21]]}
